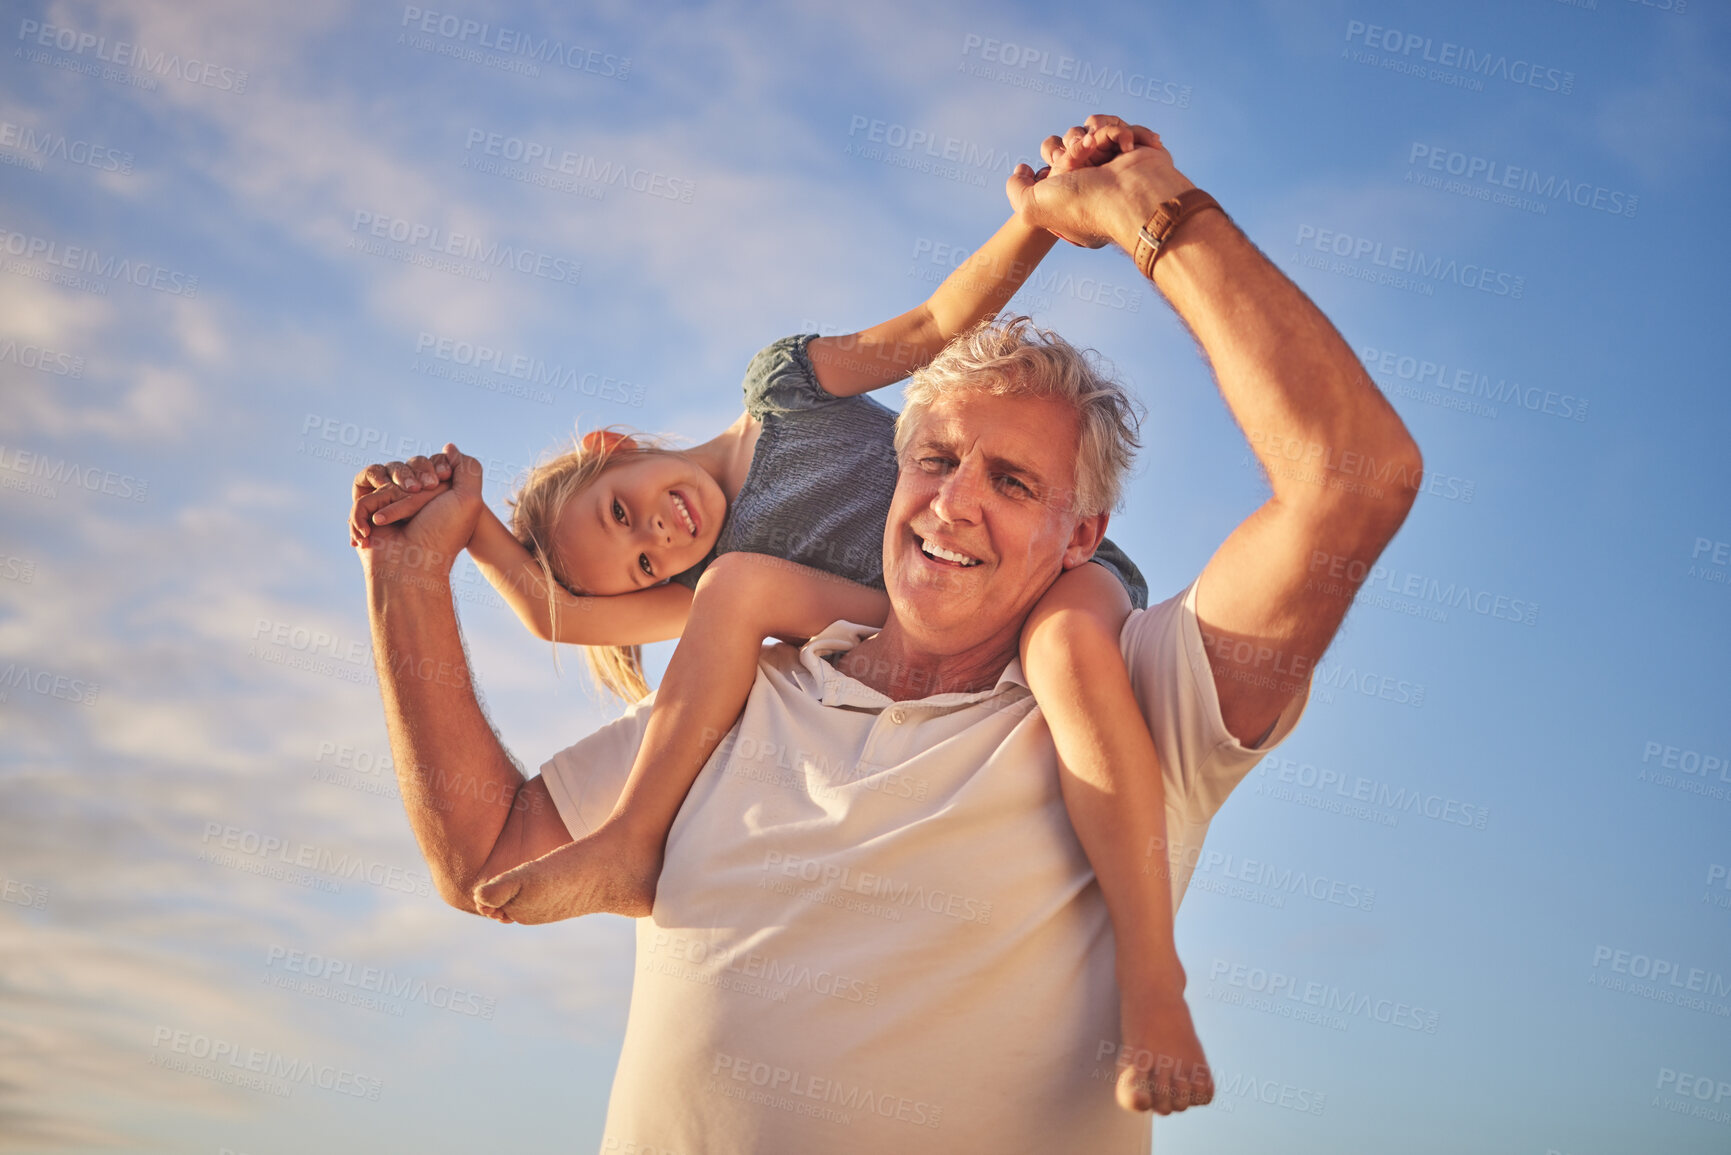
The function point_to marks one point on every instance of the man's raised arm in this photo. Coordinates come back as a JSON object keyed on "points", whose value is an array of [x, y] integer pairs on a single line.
{"points": [[473, 814], [1343, 468]]}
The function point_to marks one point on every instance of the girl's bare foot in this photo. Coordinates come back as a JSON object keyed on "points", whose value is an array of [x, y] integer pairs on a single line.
{"points": [[1161, 1067], [605, 873]]}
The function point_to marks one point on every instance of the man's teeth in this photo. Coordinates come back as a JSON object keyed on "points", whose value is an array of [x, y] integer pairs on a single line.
{"points": [[684, 515], [943, 554]]}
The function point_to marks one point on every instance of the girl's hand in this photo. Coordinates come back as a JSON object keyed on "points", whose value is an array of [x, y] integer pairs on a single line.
{"points": [[394, 491], [1088, 145]]}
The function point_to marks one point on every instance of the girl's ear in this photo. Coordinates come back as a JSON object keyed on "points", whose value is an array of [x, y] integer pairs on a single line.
{"points": [[607, 441]]}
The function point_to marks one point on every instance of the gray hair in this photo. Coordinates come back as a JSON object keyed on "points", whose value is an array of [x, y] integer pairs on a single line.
{"points": [[1014, 358]]}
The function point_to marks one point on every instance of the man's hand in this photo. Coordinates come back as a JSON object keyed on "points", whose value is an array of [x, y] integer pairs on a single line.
{"points": [[441, 512], [1106, 179]]}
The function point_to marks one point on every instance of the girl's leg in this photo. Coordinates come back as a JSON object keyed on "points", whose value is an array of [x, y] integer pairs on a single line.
{"points": [[741, 599], [1116, 797]]}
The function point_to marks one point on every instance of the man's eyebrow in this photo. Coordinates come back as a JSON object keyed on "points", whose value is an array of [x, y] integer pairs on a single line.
{"points": [[995, 462]]}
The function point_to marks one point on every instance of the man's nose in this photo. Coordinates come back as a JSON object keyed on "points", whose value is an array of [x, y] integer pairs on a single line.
{"points": [[958, 495]]}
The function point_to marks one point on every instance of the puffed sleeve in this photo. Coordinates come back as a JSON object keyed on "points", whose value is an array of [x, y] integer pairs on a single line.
{"points": [[780, 379]]}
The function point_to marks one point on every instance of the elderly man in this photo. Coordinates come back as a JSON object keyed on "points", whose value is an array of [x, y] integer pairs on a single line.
{"points": [[874, 928]]}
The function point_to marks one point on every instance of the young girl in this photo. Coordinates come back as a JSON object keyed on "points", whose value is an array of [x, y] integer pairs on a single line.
{"points": [[775, 528]]}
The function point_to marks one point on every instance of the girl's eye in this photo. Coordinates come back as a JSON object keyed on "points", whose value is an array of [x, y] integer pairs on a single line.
{"points": [[618, 512], [643, 564]]}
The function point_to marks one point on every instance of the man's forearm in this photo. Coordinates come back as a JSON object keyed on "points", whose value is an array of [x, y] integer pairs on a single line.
{"points": [[1284, 370], [457, 781]]}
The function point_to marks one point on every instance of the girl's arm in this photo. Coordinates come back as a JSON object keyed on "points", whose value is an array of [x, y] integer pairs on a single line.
{"points": [[980, 286], [652, 615]]}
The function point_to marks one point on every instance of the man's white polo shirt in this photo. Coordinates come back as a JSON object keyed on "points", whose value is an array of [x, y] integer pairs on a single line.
{"points": [[875, 930]]}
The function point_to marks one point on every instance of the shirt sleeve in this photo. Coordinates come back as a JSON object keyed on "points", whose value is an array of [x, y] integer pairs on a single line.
{"points": [[780, 379], [586, 779], [1121, 567], [1200, 759]]}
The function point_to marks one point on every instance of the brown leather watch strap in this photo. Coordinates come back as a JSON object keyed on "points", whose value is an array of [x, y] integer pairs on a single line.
{"points": [[1165, 222]]}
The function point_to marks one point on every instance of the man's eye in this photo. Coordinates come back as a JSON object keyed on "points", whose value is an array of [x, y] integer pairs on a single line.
{"points": [[933, 464], [1015, 485], [618, 512], [643, 564]]}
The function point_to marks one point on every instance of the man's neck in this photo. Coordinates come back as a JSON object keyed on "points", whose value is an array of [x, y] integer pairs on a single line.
{"points": [[890, 663]]}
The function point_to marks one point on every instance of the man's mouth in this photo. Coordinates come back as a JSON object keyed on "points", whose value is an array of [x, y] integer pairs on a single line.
{"points": [[683, 512], [950, 556]]}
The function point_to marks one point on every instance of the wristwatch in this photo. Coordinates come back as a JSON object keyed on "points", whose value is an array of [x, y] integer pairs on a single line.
{"points": [[1165, 222]]}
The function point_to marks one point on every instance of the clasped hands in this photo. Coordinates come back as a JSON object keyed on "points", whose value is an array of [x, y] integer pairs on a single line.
{"points": [[1104, 179]]}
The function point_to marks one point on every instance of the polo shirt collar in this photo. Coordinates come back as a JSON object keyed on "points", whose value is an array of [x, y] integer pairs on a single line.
{"points": [[834, 688]]}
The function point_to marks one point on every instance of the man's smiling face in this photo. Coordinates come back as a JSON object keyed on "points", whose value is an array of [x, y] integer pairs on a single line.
{"points": [[982, 520]]}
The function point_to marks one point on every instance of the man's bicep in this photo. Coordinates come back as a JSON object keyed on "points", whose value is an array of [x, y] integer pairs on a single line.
{"points": [[1272, 597], [533, 828]]}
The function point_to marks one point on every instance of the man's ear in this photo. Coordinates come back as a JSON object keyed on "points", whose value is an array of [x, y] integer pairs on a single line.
{"points": [[1085, 539]]}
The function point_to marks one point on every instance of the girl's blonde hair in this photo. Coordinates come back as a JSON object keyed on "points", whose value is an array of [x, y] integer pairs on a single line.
{"points": [[534, 511]]}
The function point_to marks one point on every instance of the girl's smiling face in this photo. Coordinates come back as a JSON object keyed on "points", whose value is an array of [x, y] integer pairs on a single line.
{"points": [[646, 518]]}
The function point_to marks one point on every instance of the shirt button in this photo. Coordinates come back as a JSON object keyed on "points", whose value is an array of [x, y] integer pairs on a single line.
{"points": [[898, 716]]}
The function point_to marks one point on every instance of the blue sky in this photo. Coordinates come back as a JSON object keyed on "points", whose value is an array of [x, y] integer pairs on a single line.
{"points": [[246, 248]]}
